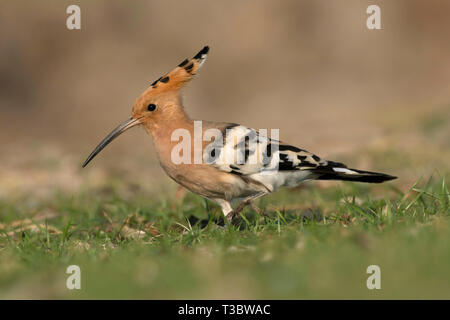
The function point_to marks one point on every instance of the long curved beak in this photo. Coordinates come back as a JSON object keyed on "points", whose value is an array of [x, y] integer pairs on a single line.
{"points": [[129, 123]]}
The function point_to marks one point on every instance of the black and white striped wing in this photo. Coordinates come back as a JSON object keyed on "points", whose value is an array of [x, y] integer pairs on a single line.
{"points": [[245, 151]]}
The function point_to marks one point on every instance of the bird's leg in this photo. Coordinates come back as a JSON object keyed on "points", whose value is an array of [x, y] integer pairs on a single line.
{"points": [[254, 207], [257, 210], [235, 212], [226, 209], [247, 201]]}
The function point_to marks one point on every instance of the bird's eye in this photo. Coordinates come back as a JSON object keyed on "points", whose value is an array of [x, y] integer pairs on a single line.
{"points": [[151, 107]]}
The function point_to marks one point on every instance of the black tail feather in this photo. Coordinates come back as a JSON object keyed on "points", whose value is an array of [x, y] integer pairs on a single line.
{"points": [[356, 175]]}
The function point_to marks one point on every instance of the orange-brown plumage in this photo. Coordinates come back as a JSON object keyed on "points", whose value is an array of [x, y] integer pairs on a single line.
{"points": [[159, 109]]}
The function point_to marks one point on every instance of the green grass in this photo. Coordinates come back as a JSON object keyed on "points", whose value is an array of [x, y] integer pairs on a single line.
{"points": [[312, 243]]}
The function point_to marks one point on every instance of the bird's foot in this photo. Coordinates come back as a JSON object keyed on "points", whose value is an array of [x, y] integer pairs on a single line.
{"points": [[233, 217], [235, 212], [258, 210], [220, 222]]}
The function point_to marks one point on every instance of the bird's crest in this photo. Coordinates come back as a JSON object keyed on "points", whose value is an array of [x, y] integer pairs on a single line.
{"points": [[184, 72]]}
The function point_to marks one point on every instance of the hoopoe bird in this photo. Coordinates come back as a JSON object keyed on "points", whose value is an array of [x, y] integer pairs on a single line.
{"points": [[235, 162]]}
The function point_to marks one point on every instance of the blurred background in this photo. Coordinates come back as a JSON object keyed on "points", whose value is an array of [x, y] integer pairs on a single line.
{"points": [[378, 99]]}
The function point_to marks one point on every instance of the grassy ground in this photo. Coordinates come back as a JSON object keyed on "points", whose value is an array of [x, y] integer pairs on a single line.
{"points": [[313, 243], [129, 233]]}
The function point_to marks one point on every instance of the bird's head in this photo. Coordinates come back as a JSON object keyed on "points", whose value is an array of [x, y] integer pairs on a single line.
{"points": [[160, 102]]}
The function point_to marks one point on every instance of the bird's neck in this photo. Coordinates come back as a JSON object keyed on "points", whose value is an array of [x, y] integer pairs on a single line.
{"points": [[168, 128]]}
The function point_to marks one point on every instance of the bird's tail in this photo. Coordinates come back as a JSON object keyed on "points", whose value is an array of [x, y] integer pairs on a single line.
{"points": [[347, 174]]}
